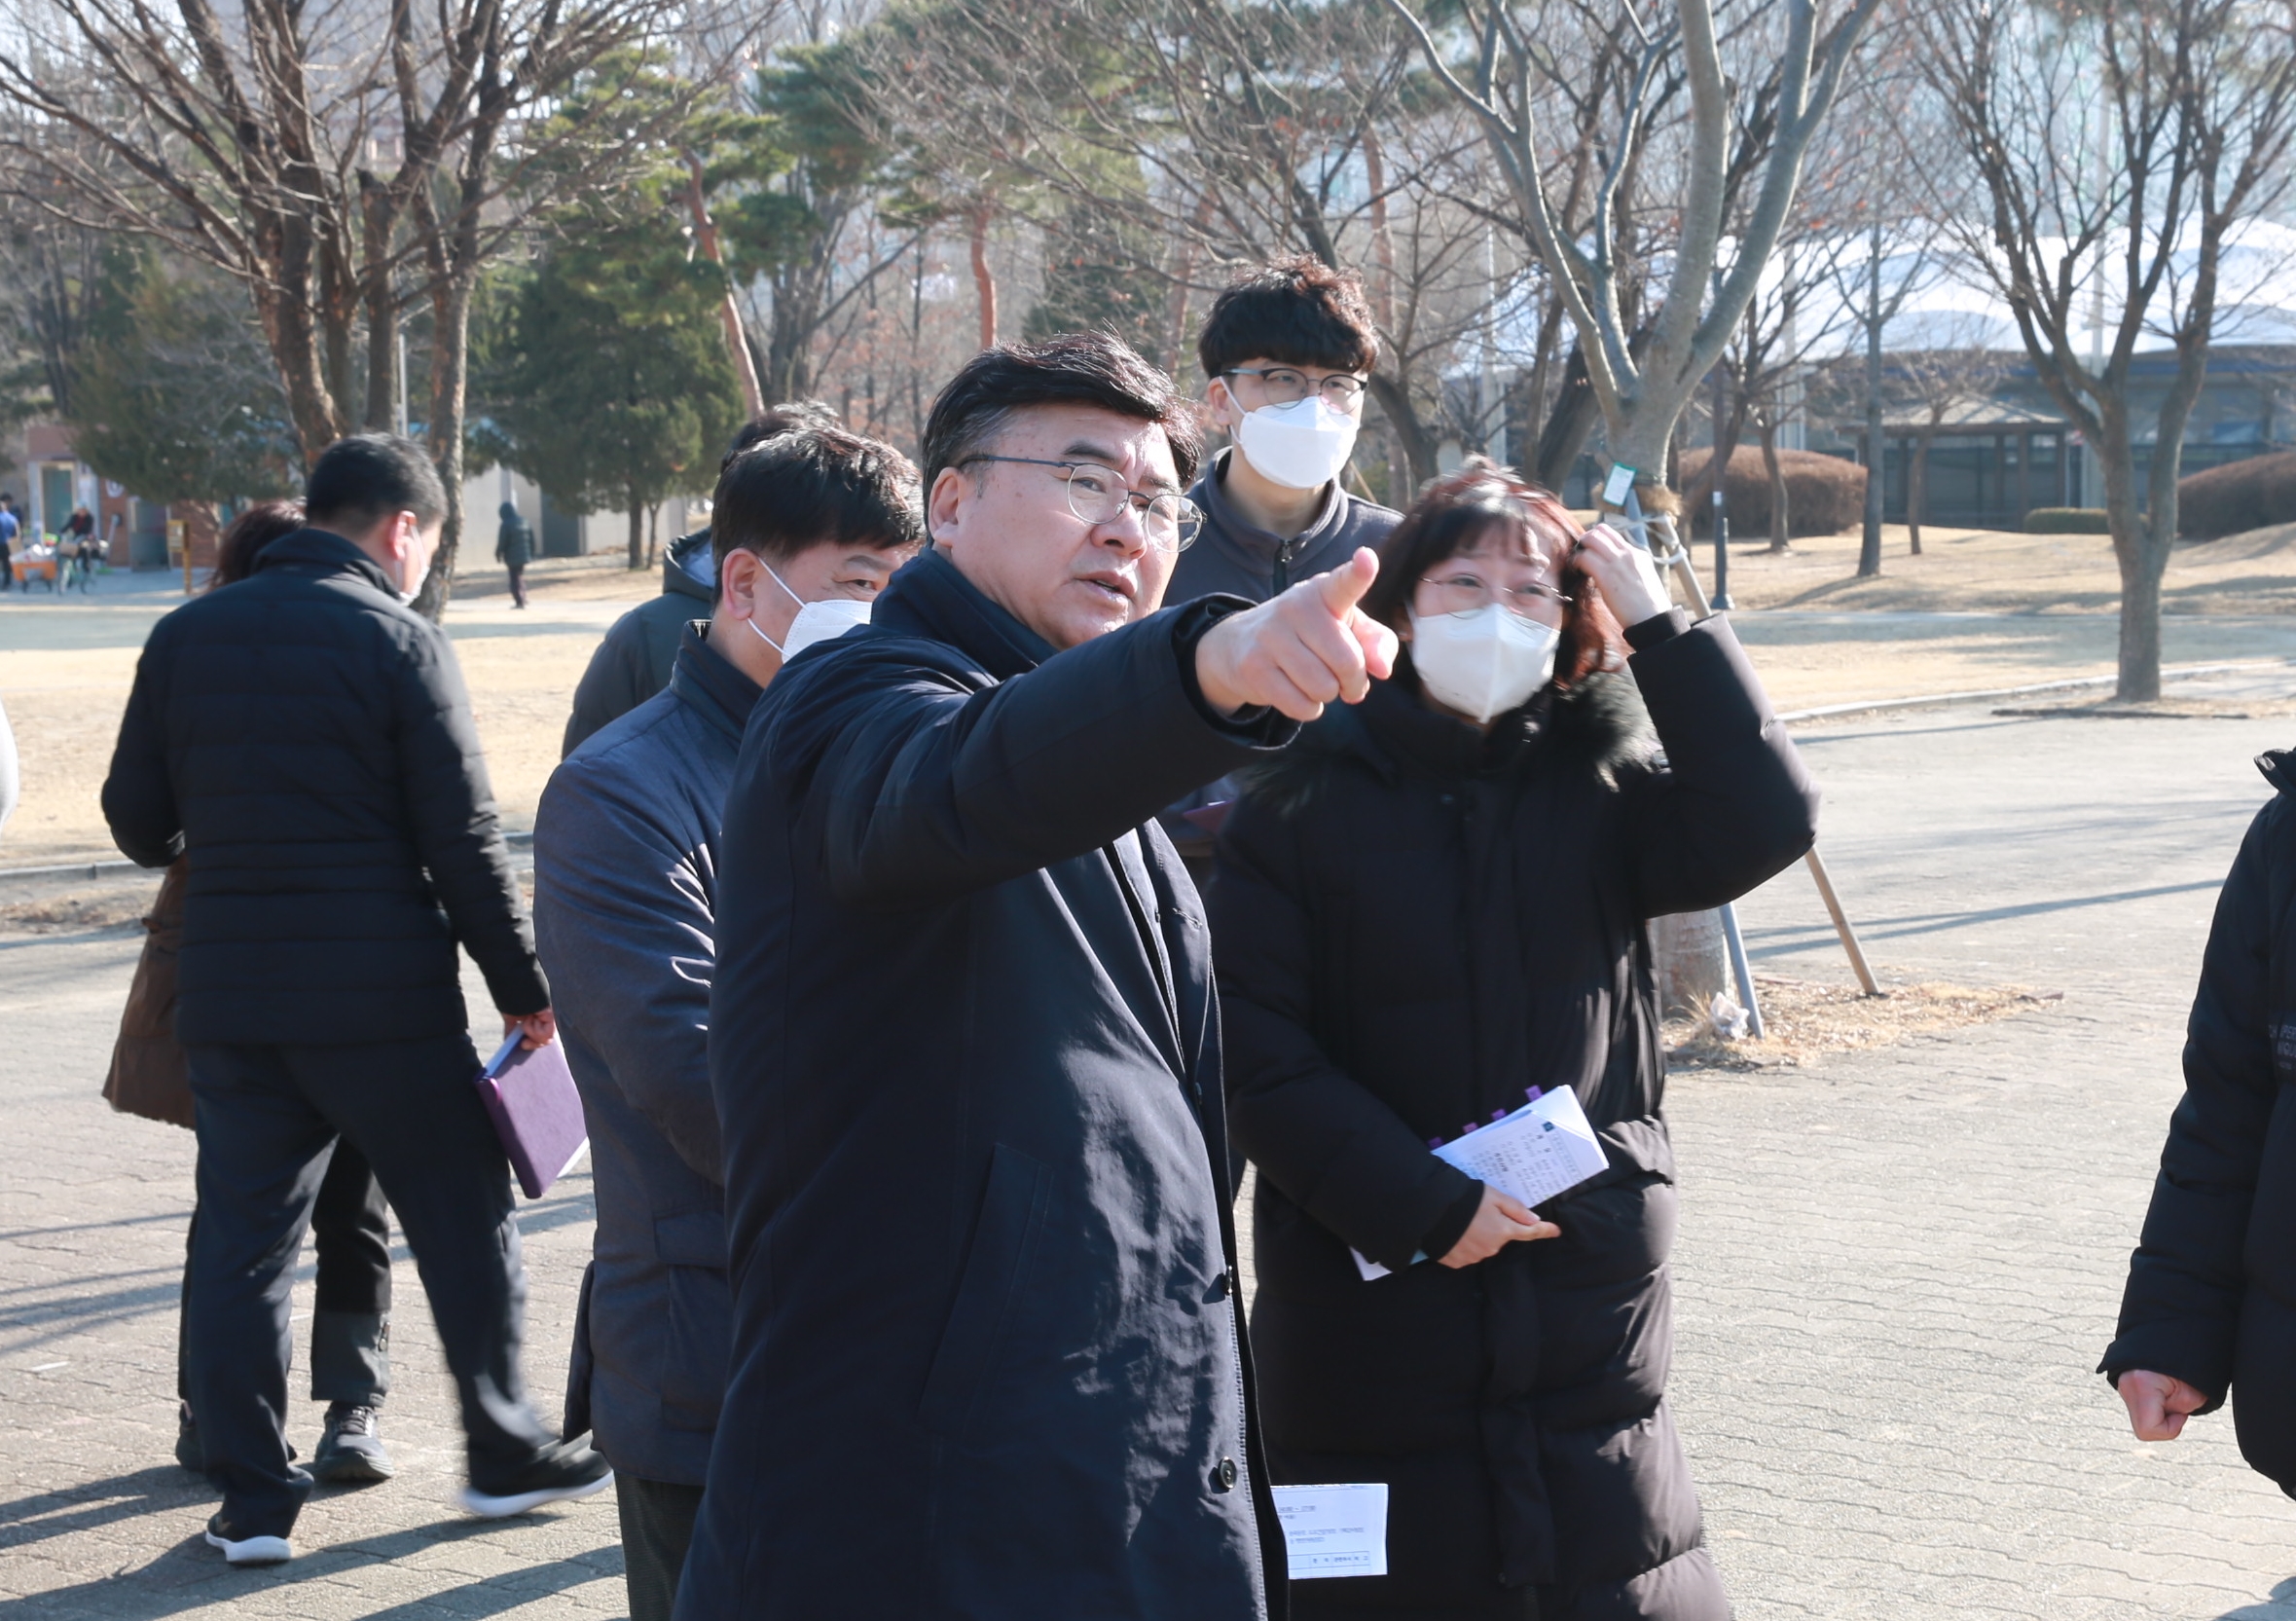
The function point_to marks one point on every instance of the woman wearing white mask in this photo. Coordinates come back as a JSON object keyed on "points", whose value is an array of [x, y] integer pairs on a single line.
{"points": [[1430, 906]]}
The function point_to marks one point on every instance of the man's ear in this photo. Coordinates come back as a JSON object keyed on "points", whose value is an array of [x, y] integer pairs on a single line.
{"points": [[1219, 405], [737, 582], [944, 505]]}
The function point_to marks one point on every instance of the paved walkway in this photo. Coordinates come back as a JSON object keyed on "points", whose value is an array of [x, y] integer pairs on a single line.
{"points": [[1896, 1270]]}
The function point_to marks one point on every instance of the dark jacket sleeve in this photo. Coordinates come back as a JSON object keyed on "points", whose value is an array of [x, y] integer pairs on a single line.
{"points": [[457, 835], [934, 789], [613, 684], [138, 796], [1731, 806], [1329, 1145], [625, 925], [2180, 1312]]}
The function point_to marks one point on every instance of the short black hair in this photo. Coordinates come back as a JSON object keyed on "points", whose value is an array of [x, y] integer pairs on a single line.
{"points": [[1296, 310], [1079, 368], [798, 489], [789, 417], [358, 480]]}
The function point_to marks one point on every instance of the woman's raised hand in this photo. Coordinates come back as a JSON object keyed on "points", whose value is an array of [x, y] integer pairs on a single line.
{"points": [[1498, 1222], [1628, 578]]}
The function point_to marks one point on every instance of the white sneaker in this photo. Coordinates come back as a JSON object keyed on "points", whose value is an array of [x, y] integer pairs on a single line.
{"points": [[249, 1550]]}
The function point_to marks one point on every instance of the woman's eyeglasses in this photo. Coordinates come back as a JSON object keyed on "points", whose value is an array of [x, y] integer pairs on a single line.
{"points": [[1463, 594]]}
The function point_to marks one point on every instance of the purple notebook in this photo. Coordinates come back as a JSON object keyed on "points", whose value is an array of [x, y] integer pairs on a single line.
{"points": [[538, 1112]]}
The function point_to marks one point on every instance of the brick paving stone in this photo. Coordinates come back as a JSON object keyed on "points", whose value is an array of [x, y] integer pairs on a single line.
{"points": [[1895, 1270], [95, 1519]]}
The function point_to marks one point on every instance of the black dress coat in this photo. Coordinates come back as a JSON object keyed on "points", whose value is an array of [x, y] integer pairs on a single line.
{"points": [[988, 1351], [304, 738], [2212, 1295], [1415, 925], [626, 856]]}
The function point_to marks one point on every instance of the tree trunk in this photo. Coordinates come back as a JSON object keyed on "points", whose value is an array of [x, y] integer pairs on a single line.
{"points": [[1691, 960], [1868, 557], [1918, 489], [1403, 421], [636, 530], [1780, 500], [1564, 435], [450, 385], [984, 280], [2142, 564], [295, 348]]}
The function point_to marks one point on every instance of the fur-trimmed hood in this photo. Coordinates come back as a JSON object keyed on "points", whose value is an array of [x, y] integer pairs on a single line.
{"points": [[1596, 725]]}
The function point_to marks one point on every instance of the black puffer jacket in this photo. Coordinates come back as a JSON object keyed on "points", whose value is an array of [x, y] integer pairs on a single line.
{"points": [[304, 739], [634, 661], [2211, 1296], [1414, 925]]}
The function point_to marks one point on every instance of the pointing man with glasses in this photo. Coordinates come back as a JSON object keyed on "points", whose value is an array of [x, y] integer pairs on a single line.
{"points": [[988, 1358]]}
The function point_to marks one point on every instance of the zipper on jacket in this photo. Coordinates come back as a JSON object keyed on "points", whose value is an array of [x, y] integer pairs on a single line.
{"points": [[1281, 578]]}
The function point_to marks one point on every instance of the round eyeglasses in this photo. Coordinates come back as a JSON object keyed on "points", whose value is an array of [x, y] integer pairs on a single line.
{"points": [[1463, 594], [1099, 494], [1289, 385]]}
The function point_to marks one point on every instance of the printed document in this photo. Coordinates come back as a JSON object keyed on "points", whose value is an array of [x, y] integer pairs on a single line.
{"points": [[1539, 1151], [1333, 1530]]}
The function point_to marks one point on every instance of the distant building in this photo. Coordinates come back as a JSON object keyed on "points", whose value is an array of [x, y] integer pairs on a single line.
{"points": [[2008, 449]]}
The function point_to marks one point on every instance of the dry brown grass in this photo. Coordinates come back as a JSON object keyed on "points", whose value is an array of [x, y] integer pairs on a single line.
{"points": [[1990, 570], [1805, 1019]]}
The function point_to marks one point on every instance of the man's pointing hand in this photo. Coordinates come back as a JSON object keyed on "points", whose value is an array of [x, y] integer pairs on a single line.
{"points": [[1300, 651]]}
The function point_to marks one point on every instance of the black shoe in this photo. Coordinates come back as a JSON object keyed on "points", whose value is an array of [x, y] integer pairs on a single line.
{"points": [[350, 1451], [189, 1451], [241, 1545], [559, 1473]]}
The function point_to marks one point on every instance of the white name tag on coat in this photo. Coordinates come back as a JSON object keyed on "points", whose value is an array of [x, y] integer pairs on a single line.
{"points": [[1333, 1530], [1542, 1149]]}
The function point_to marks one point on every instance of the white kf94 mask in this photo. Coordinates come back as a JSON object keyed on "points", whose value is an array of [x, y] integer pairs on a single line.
{"points": [[822, 621], [1302, 446], [1483, 663]]}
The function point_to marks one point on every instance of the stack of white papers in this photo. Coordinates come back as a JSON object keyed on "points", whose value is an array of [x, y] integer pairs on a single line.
{"points": [[1543, 1147]]}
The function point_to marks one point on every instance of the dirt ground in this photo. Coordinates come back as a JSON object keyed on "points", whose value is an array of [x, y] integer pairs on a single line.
{"points": [[1976, 611]]}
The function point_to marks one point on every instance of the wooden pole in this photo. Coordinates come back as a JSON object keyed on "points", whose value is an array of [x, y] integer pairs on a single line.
{"points": [[1849, 942]]}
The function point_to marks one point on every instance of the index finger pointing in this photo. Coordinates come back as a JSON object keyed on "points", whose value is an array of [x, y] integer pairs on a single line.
{"points": [[1344, 586]]}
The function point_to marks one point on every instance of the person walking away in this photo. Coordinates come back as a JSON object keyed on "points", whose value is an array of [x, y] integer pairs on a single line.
{"points": [[514, 550], [11, 529], [634, 660], [350, 1223], [304, 740], [808, 527], [2210, 1309], [1287, 348], [987, 1354], [1431, 904]]}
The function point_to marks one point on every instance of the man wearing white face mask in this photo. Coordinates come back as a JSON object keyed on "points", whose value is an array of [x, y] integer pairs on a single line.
{"points": [[807, 527], [1286, 350]]}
